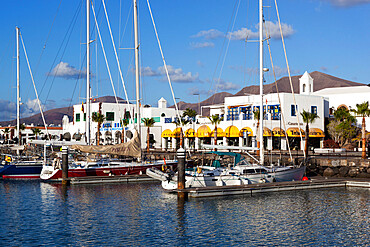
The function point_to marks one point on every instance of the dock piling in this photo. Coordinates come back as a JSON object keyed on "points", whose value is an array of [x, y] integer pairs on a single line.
{"points": [[65, 180], [181, 174]]}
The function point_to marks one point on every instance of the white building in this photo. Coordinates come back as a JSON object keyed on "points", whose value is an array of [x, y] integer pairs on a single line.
{"points": [[346, 97], [111, 129], [239, 128]]}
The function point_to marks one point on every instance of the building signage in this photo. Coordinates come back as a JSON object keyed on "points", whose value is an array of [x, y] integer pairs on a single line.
{"points": [[289, 123]]}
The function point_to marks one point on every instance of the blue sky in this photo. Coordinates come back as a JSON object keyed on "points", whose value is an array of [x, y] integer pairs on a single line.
{"points": [[203, 43]]}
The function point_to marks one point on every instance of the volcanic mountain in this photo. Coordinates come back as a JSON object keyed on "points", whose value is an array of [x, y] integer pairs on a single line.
{"points": [[321, 81]]}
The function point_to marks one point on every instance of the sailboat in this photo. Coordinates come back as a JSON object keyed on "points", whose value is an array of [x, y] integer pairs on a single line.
{"points": [[14, 167], [241, 171], [108, 167]]}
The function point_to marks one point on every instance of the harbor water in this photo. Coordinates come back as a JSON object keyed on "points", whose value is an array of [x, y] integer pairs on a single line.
{"points": [[40, 214]]}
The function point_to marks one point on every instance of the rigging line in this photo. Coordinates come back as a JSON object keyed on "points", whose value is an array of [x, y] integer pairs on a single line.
{"points": [[60, 60], [34, 86], [126, 24], [290, 77], [164, 62], [219, 57], [116, 56], [277, 91], [47, 37], [227, 49], [105, 57], [66, 37]]}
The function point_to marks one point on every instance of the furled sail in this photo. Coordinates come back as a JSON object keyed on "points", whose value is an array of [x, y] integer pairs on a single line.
{"points": [[131, 148]]}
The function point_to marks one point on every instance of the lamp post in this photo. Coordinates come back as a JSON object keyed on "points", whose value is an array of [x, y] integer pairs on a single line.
{"points": [[198, 101]]}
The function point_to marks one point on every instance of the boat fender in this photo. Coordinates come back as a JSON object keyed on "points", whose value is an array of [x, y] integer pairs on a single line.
{"points": [[262, 181], [199, 170], [164, 167]]}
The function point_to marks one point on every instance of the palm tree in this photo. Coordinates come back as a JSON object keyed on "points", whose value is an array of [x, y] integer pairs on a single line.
{"points": [[179, 123], [256, 115], [36, 131], [99, 118], [190, 113], [215, 119], [124, 123], [308, 118], [148, 122], [362, 110]]}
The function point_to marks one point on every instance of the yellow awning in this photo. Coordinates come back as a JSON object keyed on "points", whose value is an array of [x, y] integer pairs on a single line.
{"points": [[220, 133], [278, 132], [190, 133], [203, 131], [294, 132], [266, 131], [166, 133], [316, 132], [177, 132], [246, 129], [232, 131]]}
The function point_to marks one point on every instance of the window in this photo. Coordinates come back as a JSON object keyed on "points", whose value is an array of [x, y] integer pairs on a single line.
{"points": [[304, 88], [293, 110], [84, 116], [233, 114], [77, 117], [109, 116], [314, 110], [247, 112]]}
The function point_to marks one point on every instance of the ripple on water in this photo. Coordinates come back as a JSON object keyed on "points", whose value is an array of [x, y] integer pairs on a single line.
{"points": [[35, 213]]}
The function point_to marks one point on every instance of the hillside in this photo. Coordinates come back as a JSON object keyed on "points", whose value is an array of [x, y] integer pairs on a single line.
{"points": [[321, 81]]}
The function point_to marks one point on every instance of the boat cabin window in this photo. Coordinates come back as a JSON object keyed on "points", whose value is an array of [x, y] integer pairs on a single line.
{"points": [[259, 170], [249, 171]]}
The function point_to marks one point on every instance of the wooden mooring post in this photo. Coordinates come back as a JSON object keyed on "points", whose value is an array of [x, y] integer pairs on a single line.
{"points": [[181, 174], [65, 180]]}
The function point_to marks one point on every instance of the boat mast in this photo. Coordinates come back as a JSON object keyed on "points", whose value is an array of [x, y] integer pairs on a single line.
{"points": [[18, 91], [261, 78], [88, 102], [138, 118]]}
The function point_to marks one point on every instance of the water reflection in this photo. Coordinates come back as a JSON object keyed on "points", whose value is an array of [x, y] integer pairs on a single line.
{"points": [[36, 213]]}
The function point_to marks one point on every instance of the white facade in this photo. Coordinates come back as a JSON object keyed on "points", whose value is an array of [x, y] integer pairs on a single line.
{"points": [[346, 97], [111, 129]]}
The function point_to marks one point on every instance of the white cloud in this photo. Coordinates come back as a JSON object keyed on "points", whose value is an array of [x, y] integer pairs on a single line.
{"points": [[8, 109], [176, 74], [347, 3], [273, 31], [197, 45], [223, 85], [209, 34], [64, 70], [148, 71]]}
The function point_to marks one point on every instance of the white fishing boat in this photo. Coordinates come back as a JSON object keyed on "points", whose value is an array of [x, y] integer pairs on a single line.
{"points": [[241, 172]]}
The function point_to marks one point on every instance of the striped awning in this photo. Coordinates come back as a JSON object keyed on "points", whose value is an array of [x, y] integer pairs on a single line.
{"points": [[220, 133], [266, 131], [190, 133], [232, 131], [203, 131], [166, 133], [278, 132], [294, 132], [246, 129], [316, 132]]}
